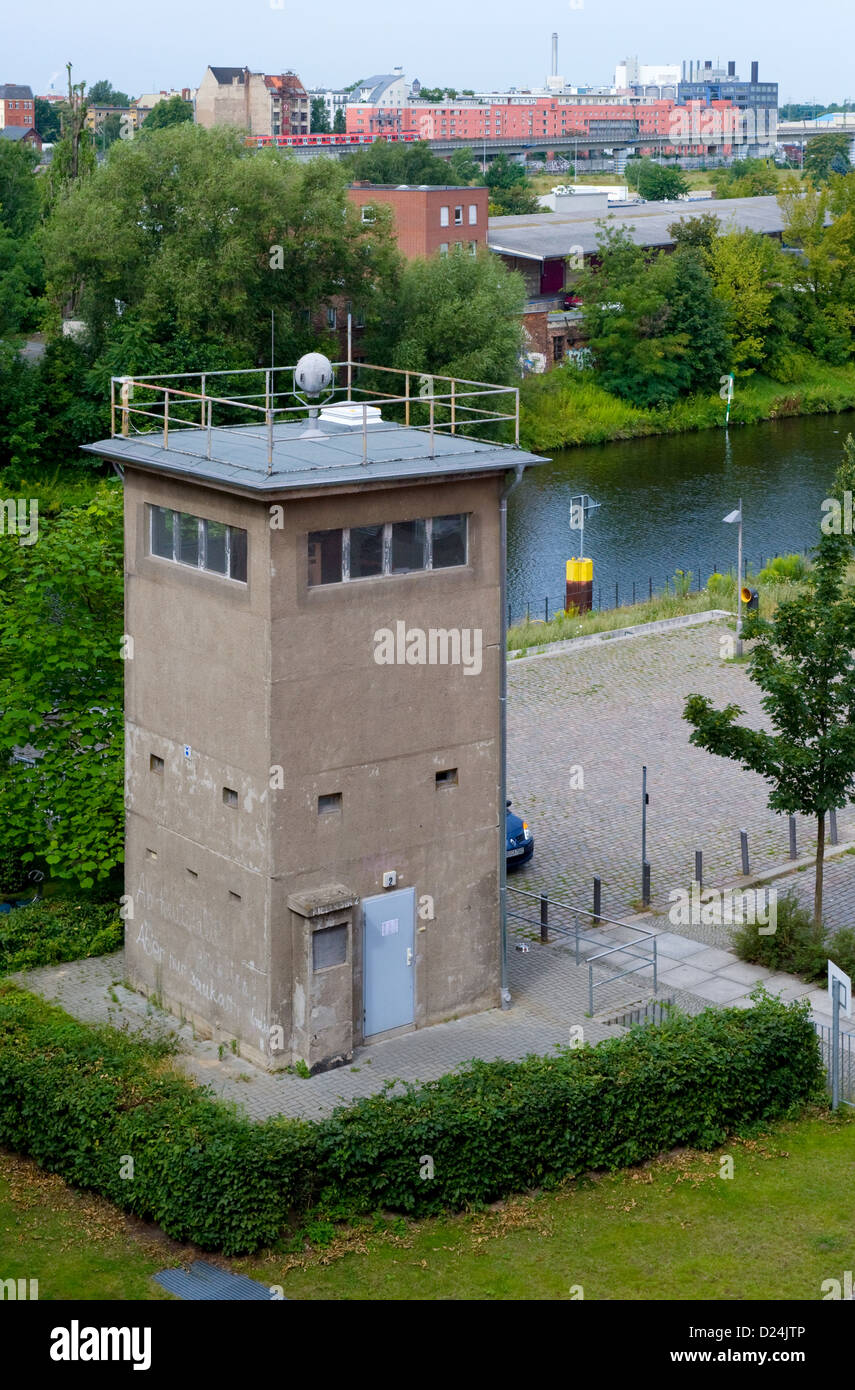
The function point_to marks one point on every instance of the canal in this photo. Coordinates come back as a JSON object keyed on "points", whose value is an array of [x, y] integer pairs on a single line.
{"points": [[662, 502]]}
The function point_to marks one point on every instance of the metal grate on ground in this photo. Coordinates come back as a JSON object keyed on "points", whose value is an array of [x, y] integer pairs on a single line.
{"points": [[204, 1282]]}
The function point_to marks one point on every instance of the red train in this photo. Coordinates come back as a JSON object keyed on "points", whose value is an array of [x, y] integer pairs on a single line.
{"points": [[285, 141]]}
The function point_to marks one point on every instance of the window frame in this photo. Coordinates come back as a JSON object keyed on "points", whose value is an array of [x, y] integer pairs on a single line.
{"points": [[444, 213], [386, 571], [202, 523]]}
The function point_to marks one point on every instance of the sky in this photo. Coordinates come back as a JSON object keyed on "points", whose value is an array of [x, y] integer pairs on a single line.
{"points": [[149, 45]]}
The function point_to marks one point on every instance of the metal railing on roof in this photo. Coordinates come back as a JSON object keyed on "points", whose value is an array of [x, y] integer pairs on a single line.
{"points": [[174, 405]]}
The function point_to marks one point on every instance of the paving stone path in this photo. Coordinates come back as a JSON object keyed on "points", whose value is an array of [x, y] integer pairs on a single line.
{"points": [[607, 709]]}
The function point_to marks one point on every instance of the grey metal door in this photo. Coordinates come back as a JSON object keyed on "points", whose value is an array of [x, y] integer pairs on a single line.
{"points": [[388, 935]]}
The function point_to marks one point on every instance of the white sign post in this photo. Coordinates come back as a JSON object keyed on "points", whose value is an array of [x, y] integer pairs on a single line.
{"points": [[840, 989]]}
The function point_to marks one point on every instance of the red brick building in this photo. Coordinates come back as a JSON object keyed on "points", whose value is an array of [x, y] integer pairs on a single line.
{"points": [[16, 105], [428, 219]]}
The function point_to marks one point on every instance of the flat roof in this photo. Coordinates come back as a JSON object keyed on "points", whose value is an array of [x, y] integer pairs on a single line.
{"points": [[540, 236], [239, 455]]}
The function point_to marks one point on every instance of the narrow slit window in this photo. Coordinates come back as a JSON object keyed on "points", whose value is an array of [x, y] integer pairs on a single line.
{"points": [[230, 796], [155, 763], [447, 778], [331, 801]]}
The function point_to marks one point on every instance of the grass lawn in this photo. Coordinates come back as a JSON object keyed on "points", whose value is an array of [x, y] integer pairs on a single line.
{"points": [[672, 1229]]}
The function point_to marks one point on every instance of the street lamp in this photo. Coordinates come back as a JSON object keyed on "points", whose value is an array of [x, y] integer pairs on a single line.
{"points": [[729, 520]]}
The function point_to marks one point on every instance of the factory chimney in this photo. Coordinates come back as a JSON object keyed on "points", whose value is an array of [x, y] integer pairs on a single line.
{"points": [[755, 70], [731, 68], [554, 55]]}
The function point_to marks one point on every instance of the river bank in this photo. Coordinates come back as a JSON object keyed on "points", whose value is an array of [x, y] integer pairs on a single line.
{"points": [[565, 407]]}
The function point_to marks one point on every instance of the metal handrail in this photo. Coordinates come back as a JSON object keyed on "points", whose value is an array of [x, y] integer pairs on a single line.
{"points": [[644, 938]]}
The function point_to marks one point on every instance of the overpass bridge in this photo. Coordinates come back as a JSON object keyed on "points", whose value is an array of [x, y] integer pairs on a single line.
{"points": [[603, 144]]}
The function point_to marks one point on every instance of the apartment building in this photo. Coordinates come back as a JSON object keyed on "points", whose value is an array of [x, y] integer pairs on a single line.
{"points": [[17, 107]]}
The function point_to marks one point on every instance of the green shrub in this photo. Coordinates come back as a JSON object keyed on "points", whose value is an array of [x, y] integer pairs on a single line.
{"points": [[56, 930], [788, 569], [841, 949], [80, 1099], [796, 946]]}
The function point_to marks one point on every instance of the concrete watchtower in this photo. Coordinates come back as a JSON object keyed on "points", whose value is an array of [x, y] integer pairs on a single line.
{"points": [[314, 755]]}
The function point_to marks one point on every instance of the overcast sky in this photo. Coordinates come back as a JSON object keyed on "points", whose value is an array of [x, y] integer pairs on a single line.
{"points": [[147, 45]]}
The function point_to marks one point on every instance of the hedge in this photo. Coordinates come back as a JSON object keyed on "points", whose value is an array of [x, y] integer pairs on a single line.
{"points": [[57, 930], [80, 1099]]}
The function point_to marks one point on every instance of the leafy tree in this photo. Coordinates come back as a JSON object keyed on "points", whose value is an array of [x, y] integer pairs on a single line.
{"points": [[110, 130], [749, 270], [820, 152], [654, 182], [456, 315], [392, 163], [46, 120], [74, 154], [746, 178], [61, 690], [697, 233], [319, 123], [339, 122], [840, 163], [462, 168], [170, 111], [188, 236], [803, 661], [104, 94], [820, 221], [653, 324], [21, 271], [510, 191]]}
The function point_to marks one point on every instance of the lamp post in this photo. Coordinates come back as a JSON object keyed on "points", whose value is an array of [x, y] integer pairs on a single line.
{"points": [[729, 519]]}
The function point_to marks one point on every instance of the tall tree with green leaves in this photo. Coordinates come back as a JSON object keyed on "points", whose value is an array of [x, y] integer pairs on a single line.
{"points": [[803, 660], [46, 120], [750, 275], [319, 121], [169, 111], [339, 122], [820, 154], [61, 691], [655, 182], [455, 315]]}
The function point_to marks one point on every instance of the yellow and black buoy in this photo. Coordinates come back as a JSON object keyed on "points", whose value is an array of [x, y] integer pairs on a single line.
{"points": [[579, 586]]}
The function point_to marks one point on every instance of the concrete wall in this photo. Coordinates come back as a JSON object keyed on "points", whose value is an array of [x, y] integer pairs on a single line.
{"points": [[242, 104], [274, 675]]}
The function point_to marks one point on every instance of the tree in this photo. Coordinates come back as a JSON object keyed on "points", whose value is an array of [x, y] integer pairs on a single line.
{"points": [[46, 120], [74, 154], [104, 94], [456, 315], [820, 220], [746, 178], [510, 191], [21, 272], [61, 688], [187, 237], [804, 663], [697, 233], [319, 123], [339, 122], [167, 112], [653, 323], [654, 182], [462, 168], [820, 152], [393, 163], [749, 270]]}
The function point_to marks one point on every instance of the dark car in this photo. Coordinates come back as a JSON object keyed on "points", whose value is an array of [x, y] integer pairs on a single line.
{"points": [[519, 841]]}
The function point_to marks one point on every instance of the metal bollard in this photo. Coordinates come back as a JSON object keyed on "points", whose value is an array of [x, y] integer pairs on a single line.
{"points": [[699, 869], [645, 883], [544, 918], [832, 826], [743, 845], [794, 854], [597, 899]]}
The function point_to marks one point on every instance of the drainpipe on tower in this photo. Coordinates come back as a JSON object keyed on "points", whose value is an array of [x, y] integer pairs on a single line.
{"points": [[519, 469]]}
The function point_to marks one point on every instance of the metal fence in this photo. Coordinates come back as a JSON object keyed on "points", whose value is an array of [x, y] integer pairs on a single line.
{"points": [[681, 582], [846, 1059], [547, 915]]}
